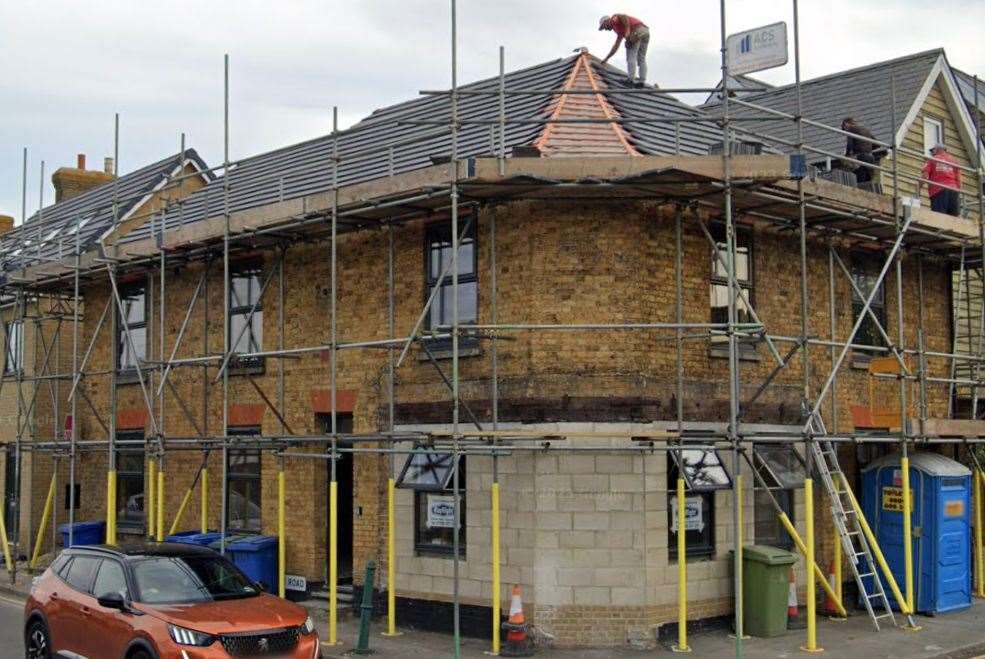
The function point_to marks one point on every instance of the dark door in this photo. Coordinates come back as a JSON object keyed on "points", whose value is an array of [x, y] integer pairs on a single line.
{"points": [[10, 492], [344, 477]]}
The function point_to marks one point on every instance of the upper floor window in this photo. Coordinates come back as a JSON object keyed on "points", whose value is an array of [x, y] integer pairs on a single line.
{"points": [[933, 134], [244, 292], [865, 272], [438, 254], [14, 356], [131, 334], [743, 276]]}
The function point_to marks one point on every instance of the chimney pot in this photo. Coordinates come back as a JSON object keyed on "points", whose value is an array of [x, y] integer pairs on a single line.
{"points": [[6, 223], [108, 165], [82, 161]]}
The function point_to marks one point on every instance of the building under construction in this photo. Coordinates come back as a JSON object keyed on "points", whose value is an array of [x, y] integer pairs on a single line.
{"points": [[509, 333]]}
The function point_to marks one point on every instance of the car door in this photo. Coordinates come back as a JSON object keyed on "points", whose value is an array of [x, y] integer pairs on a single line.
{"points": [[116, 628], [73, 623]]}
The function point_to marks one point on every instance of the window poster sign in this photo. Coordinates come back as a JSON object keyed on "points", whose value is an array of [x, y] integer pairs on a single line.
{"points": [[694, 519], [441, 511]]}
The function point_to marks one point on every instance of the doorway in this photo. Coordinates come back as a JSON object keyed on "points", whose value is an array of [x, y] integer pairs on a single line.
{"points": [[344, 477]]}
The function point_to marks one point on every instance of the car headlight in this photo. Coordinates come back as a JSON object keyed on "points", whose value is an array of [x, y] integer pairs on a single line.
{"points": [[308, 627], [183, 636]]}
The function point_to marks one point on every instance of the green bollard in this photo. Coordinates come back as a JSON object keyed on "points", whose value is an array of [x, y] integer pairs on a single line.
{"points": [[366, 610]]}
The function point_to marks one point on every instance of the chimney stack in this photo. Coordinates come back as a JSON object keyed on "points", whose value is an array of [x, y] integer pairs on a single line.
{"points": [[108, 165], [6, 224], [71, 182]]}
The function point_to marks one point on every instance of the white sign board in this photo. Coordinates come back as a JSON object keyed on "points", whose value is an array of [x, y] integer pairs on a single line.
{"points": [[441, 511], [295, 582], [754, 50], [694, 519]]}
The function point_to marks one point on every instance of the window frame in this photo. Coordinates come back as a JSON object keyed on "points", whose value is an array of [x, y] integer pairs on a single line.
{"points": [[125, 328], [745, 239], [13, 327], [249, 270], [92, 575], [699, 544], [786, 497], [868, 265], [246, 431], [939, 123], [126, 579], [438, 232], [423, 547], [123, 522]]}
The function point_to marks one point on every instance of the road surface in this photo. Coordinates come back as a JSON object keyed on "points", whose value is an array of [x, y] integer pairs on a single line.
{"points": [[11, 619]]}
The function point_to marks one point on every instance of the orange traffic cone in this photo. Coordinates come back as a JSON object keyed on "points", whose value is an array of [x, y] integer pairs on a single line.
{"points": [[518, 642], [830, 606], [792, 596]]}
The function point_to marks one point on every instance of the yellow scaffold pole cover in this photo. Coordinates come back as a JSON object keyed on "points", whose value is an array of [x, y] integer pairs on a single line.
{"points": [[205, 500], [160, 505], [811, 581], [151, 489], [876, 551], [838, 595], [45, 516], [111, 507], [333, 567], [6, 544], [681, 570], [979, 490], [181, 511], [391, 561], [792, 532], [495, 569], [281, 537], [907, 532]]}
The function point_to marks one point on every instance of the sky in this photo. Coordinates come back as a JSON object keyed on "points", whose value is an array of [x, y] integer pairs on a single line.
{"points": [[67, 67]]}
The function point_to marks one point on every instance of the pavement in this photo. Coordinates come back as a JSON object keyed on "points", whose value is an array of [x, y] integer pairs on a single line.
{"points": [[952, 636]]}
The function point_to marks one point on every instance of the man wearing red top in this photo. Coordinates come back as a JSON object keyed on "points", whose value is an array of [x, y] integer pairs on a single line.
{"points": [[945, 180], [637, 36]]}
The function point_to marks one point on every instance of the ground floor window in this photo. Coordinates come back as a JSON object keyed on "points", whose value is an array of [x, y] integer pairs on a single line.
{"points": [[431, 476], [781, 471], [703, 474], [243, 485], [130, 513]]}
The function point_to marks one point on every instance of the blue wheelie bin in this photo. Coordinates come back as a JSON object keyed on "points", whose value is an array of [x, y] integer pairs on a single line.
{"points": [[83, 533], [194, 538], [256, 555]]}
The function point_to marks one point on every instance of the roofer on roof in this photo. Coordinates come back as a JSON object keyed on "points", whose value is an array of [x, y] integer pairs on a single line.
{"points": [[942, 169], [859, 149], [637, 36]]}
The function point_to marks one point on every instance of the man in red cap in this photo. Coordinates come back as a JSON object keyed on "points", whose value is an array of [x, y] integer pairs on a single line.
{"points": [[637, 36], [945, 180]]}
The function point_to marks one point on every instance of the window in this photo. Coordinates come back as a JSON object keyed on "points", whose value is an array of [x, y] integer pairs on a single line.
{"points": [[933, 134], [130, 483], [703, 473], [438, 255], [865, 272], [783, 471], [189, 580], [719, 276], [110, 579], [245, 330], [131, 334], [69, 497], [243, 485], [79, 574], [431, 476], [13, 362]]}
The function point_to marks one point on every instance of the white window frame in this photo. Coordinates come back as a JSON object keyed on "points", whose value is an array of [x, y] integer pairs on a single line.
{"points": [[929, 140]]}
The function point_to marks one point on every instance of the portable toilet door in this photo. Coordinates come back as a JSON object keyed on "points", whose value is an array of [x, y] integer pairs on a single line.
{"points": [[940, 522]]}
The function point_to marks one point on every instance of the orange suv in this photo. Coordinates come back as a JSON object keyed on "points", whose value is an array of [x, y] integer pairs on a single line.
{"points": [[159, 601]]}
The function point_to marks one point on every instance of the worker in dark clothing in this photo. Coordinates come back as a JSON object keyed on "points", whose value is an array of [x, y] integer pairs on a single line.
{"points": [[859, 149]]}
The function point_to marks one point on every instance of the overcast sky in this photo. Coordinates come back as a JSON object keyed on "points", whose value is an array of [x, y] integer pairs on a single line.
{"points": [[68, 66]]}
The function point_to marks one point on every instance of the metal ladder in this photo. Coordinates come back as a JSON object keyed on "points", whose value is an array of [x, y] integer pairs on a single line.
{"points": [[847, 524]]}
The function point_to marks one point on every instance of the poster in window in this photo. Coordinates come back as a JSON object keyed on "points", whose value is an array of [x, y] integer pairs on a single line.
{"points": [[694, 519], [441, 511]]}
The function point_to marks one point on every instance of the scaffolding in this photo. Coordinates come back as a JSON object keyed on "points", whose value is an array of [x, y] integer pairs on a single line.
{"points": [[52, 300]]}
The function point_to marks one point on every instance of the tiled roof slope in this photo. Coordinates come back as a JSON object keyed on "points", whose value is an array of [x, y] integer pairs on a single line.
{"points": [[306, 168], [863, 93], [51, 232], [966, 87]]}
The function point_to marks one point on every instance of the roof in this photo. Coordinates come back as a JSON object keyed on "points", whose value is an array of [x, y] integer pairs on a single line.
{"points": [[863, 93], [148, 549], [412, 135], [932, 464], [966, 87], [50, 233], [741, 84]]}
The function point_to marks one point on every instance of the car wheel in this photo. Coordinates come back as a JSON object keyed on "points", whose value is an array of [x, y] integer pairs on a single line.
{"points": [[37, 641]]}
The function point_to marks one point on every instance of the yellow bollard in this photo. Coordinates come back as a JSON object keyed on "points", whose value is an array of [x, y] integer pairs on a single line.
{"points": [[907, 533], [149, 503], [333, 567], [205, 500], [181, 511], [681, 571], [818, 574], [160, 505], [838, 595], [281, 537], [811, 593], [876, 551], [45, 516], [6, 544], [495, 569], [391, 561], [111, 507], [979, 490]]}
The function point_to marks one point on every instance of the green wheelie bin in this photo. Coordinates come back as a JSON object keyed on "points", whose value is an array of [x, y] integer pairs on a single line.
{"points": [[765, 588]]}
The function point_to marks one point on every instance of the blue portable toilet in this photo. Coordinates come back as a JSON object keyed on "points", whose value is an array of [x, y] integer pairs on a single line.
{"points": [[940, 521]]}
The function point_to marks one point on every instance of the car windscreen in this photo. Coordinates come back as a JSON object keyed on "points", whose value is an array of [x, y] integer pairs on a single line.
{"points": [[189, 579]]}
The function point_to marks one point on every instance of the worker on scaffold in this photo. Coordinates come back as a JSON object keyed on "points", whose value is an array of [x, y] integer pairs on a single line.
{"points": [[637, 36]]}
